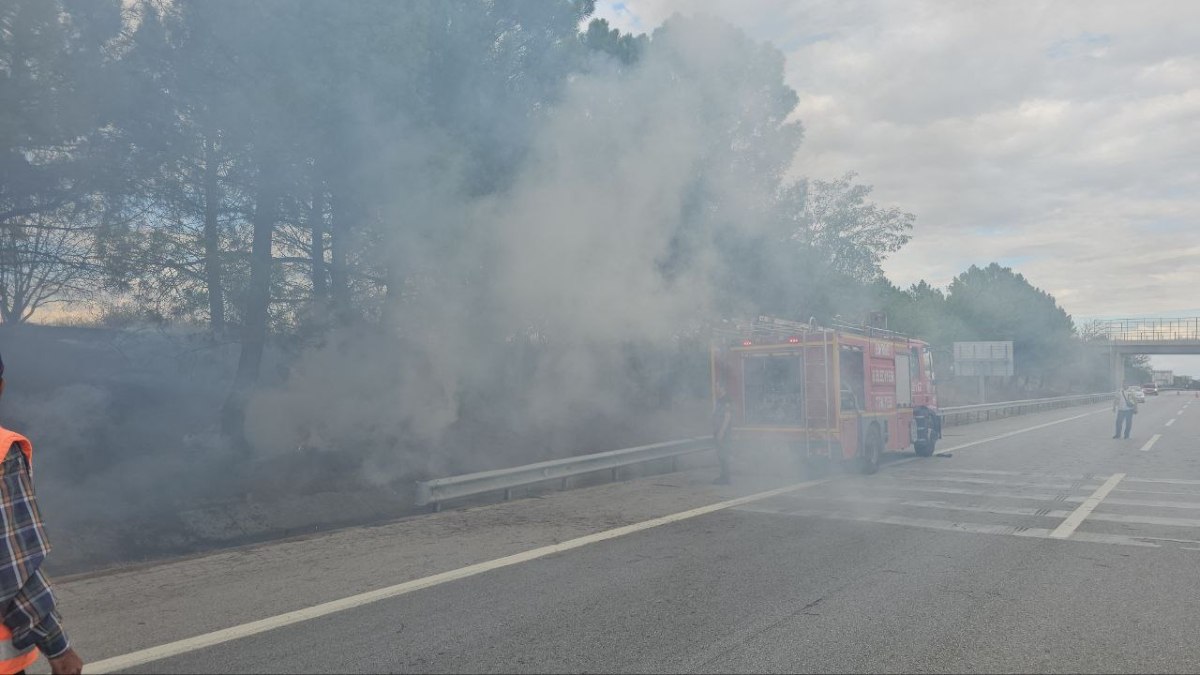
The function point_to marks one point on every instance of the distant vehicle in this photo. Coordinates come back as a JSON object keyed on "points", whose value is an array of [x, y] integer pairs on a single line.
{"points": [[844, 393], [1150, 389], [1138, 395]]}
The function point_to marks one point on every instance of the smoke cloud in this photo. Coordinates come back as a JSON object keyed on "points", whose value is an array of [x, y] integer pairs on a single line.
{"points": [[606, 246]]}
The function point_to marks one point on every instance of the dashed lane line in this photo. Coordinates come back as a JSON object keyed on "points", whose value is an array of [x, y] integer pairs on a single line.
{"points": [[1150, 443], [1171, 421]]}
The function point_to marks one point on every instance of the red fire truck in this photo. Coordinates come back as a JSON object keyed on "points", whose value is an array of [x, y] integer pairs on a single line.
{"points": [[849, 392]]}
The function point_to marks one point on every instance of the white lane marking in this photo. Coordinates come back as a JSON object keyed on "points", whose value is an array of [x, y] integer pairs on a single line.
{"points": [[1146, 520], [941, 505], [1143, 491], [985, 481], [1042, 496], [987, 472], [1067, 477], [973, 528], [191, 644], [1119, 539], [1076, 518], [1171, 539], [1171, 421], [1018, 431], [288, 618], [927, 523], [1154, 503], [1150, 443], [1170, 481]]}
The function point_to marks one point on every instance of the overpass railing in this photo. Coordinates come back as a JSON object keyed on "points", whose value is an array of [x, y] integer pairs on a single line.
{"points": [[1147, 330], [432, 493]]}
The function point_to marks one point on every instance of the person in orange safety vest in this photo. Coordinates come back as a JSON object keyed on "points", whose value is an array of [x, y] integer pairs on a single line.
{"points": [[30, 624]]}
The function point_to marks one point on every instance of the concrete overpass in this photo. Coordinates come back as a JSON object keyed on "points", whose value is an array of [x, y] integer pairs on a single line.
{"points": [[1125, 337]]}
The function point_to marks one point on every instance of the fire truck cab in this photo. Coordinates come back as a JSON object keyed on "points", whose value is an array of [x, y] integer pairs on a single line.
{"points": [[849, 392]]}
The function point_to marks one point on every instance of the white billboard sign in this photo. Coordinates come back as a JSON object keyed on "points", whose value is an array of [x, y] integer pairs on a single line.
{"points": [[981, 359]]}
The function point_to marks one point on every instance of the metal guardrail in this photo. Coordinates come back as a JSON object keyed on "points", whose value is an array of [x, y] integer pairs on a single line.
{"points": [[966, 414], [432, 493]]}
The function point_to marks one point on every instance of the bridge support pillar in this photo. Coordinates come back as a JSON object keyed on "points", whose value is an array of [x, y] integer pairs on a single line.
{"points": [[1117, 360]]}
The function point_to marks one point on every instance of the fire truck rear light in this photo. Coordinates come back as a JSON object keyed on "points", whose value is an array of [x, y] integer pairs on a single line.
{"points": [[747, 343], [793, 340]]}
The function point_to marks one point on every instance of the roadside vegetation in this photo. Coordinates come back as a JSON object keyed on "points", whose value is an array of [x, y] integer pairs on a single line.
{"points": [[300, 246]]}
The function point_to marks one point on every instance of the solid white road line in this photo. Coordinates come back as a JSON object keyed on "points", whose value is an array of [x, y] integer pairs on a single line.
{"points": [[1171, 421], [1076, 518], [1150, 443], [1014, 433], [254, 627], [191, 644]]}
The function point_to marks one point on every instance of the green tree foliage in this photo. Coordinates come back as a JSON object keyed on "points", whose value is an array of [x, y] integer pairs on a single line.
{"points": [[853, 234], [626, 47], [57, 165], [54, 68], [995, 303]]}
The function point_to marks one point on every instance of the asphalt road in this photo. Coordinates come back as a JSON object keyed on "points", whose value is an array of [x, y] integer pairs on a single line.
{"points": [[1040, 545]]}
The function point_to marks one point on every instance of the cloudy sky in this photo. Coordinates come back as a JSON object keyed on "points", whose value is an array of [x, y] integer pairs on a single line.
{"points": [[1061, 138]]}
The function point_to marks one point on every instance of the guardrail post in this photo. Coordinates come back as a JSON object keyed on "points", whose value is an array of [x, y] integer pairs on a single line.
{"points": [[507, 494]]}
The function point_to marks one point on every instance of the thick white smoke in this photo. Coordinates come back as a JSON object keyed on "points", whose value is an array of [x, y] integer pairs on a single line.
{"points": [[606, 238]]}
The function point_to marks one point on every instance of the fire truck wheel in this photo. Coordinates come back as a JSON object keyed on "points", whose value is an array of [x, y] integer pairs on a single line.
{"points": [[872, 450]]}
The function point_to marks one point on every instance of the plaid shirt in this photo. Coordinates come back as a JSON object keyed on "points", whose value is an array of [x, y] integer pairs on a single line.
{"points": [[29, 608]]}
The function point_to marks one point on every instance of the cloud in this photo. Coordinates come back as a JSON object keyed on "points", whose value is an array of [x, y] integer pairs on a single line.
{"points": [[1057, 134]]}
